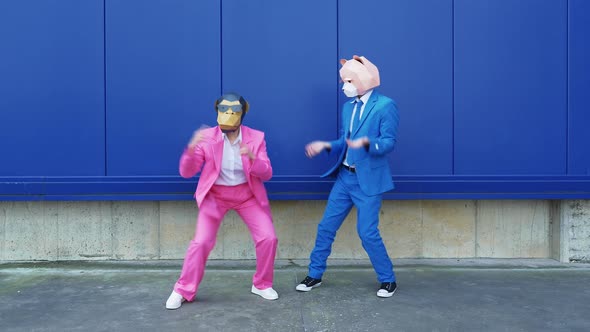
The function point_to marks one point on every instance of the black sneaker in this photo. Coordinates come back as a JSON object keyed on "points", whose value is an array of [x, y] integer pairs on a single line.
{"points": [[308, 283], [387, 289]]}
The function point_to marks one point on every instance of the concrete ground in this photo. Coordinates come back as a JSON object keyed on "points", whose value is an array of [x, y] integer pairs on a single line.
{"points": [[433, 295]]}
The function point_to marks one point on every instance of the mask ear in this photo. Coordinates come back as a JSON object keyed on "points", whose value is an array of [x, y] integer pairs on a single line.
{"points": [[246, 108], [342, 62], [216, 103]]}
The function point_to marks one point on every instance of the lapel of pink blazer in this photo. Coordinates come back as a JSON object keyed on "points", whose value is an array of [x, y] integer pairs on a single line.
{"points": [[246, 139], [217, 149]]}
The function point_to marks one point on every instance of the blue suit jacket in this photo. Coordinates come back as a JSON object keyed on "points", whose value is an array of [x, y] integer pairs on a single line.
{"points": [[379, 123]]}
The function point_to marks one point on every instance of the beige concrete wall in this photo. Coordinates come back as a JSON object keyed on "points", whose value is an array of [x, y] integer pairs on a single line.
{"points": [[162, 230], [575, 225], [513, 229]]}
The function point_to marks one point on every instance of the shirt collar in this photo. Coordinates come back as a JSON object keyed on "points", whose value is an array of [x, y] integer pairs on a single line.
{"points": [[364, 98], [238, 140]]}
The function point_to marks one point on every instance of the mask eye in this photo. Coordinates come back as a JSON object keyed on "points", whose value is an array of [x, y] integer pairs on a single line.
{"points": [[225, 108]]}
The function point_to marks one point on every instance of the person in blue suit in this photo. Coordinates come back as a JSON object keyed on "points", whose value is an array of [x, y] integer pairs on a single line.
{"points": [[368, 135]]}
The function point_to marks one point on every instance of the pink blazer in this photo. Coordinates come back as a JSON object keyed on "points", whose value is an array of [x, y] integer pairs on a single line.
{"points": [[206, 158]]}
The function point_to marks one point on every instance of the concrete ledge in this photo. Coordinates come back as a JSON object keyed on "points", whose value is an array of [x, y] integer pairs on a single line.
{"points": [[400, 264]]}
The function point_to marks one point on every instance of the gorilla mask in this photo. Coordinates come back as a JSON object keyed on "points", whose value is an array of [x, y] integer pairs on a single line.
{"points": [[231, 109]]}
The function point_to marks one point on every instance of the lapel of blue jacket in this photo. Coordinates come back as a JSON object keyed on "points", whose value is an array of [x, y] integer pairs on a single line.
{"points": [[368, 109]]}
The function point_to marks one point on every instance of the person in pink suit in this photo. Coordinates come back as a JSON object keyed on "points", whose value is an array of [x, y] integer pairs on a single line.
{"points": [[233, 163]]}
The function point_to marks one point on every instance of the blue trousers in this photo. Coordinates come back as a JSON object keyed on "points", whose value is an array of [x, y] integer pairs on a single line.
{"points": [[344, 194]]}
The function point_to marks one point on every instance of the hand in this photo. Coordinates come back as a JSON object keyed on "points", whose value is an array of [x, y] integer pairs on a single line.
{"points": [[198, 136], [244, 149], [314, 148], [358, 143]]}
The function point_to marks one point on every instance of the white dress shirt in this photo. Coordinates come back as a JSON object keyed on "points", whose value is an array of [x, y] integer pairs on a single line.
{"points": [[364, 98], [232, 170]]}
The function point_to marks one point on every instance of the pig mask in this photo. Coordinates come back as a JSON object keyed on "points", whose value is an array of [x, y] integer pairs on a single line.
{"points": [[359, 73]]}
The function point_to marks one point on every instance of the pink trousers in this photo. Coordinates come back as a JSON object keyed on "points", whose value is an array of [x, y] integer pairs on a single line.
{"points": [[218, 201]]}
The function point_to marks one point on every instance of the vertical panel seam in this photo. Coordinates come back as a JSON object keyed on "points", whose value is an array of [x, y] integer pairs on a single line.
{"points": [[112, 229], [476, 228], [220, 47], [3, 207], [104, 78], [159, 245], [421, 228], [57, 235], [338, 111], [453, 87], [567, 87]]}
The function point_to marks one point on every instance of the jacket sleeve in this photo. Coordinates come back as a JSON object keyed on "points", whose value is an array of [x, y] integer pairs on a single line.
{"points": [[339, 144], [261, 167], [336, 146], [191, 161], [385, 142]]}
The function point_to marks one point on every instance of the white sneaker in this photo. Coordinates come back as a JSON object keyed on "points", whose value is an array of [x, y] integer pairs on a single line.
{"points": [[174, 301], [268, 294]]}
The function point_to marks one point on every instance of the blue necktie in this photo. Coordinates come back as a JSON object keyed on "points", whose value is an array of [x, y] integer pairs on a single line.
{"points": [[357, 119]]}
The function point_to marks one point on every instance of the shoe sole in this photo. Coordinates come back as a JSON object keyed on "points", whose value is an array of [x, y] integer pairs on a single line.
{"points": [[386, 295], [307, 289], [172, 308], [175, 307]]}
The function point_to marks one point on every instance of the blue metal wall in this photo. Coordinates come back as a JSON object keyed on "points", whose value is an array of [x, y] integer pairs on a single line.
{"points": [[578, 142], [52, 88], [99, 97], [163, 65]]}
